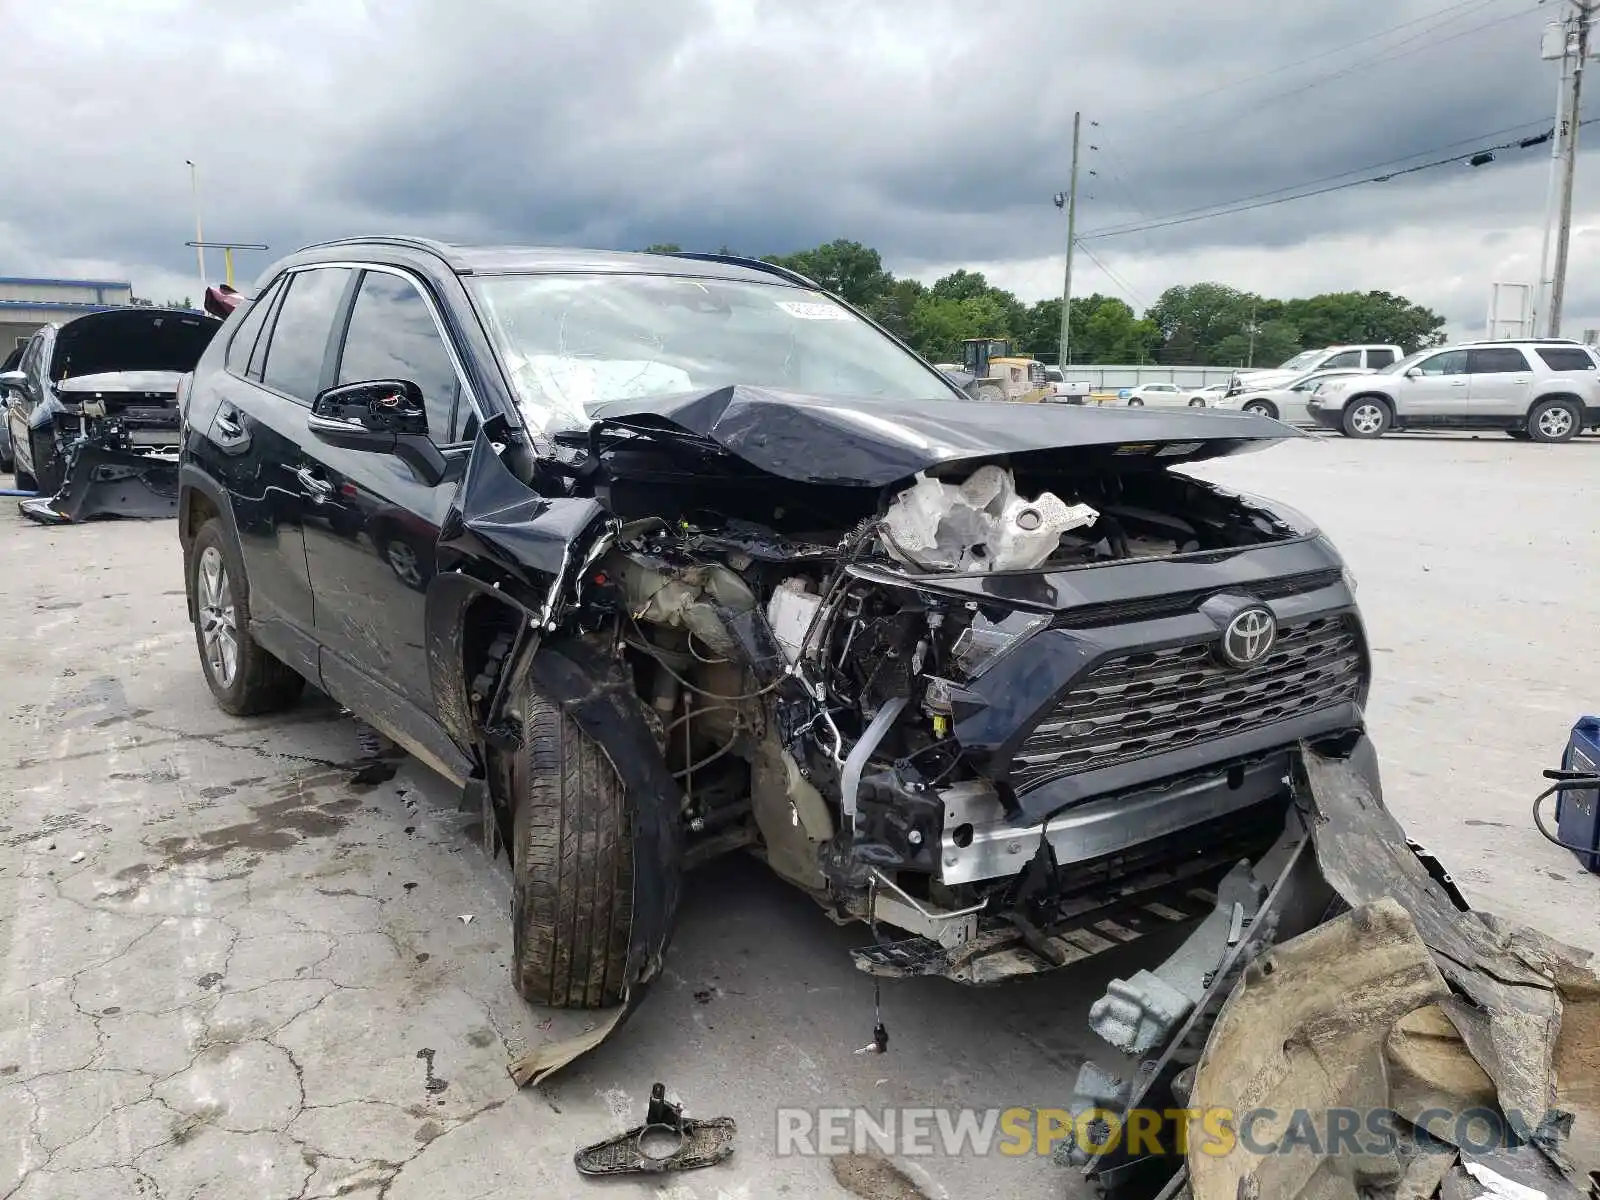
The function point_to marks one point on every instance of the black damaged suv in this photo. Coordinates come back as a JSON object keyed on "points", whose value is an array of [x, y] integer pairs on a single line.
{"points": [[660, 557]]}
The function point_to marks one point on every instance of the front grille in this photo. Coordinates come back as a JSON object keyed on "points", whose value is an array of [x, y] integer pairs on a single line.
{"points": [[1138, 705]]}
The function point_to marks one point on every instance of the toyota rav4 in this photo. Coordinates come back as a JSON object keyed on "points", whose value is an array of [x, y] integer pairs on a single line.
{"points": [[661, 557]]}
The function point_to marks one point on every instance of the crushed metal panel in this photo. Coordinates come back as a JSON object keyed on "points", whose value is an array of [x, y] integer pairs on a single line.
{"points": [[1304, 1031]]}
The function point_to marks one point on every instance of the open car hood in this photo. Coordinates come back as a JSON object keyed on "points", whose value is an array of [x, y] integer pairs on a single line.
{"points": [[120, 382], [871, 442], [131, 339]]}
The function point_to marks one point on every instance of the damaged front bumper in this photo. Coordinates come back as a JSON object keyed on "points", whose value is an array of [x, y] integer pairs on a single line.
{"points": [[1407, 1014], [106, 481]]}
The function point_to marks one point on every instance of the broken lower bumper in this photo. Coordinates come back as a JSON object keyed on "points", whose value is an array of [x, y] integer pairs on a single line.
{"points": [[102, 482], [1351, 993]]}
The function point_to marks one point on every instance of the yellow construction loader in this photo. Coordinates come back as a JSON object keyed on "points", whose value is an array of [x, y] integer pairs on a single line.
{"points": [[997, 374]]}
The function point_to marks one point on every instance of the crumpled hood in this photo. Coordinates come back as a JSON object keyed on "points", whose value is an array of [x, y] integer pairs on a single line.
{"points": [[871, 442]]}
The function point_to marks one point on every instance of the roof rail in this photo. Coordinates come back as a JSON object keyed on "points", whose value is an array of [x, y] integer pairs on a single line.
{"points": [[754, 264], [431, 245]]}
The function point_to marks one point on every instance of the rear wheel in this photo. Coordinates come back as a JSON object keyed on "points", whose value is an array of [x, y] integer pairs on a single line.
{"points": [[243, 677], [1263, 408], [1366, 418], [1555, 421], [572, 847]]}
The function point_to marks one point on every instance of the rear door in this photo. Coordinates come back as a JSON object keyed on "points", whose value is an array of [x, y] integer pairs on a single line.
{"points": [[371, 545], [264, 452], [1439, 389], [1502, 381]]}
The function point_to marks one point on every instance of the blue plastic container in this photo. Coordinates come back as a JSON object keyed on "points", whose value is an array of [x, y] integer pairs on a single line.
{"points": [[1578, 811]]}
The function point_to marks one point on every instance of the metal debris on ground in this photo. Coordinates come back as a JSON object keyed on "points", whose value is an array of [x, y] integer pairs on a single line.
{"points": [[667, 1141]]}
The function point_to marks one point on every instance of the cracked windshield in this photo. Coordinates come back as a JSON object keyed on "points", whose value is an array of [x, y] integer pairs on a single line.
{"points": [[571, 342]]}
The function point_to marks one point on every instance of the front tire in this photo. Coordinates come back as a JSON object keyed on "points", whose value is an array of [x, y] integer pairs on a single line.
{"points": [[572, 848], [1196, 402], [244, 678], [48, 469], [1554, 421], [1366, 417], [1262, 408], [1135, 402]]}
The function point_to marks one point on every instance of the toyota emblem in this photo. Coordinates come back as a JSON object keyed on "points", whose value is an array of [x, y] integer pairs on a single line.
{"points": [[1249, 637]]}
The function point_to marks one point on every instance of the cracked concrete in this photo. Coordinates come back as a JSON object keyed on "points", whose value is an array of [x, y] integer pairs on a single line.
{"points": [[228, 994]]}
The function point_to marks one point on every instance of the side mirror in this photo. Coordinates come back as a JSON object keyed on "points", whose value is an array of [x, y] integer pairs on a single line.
{"points": [[379, 416], [1413, 372], [13, 379]]}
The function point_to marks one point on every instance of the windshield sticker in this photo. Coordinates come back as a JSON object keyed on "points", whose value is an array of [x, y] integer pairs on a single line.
{"points": [[811, 311]]}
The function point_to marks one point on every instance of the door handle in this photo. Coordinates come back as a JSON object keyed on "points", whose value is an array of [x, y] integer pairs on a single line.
{"points": [[318, 488], [1459, 383], [228, 422]]}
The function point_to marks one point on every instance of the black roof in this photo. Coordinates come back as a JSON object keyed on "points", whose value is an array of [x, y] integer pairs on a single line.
{"points": [[525, 260]]}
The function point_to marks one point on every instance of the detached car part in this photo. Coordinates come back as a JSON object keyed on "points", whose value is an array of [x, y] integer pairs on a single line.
{"points": [[667, 1141]]}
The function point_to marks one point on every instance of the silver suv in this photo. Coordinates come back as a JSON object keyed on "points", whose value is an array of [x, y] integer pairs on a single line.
{"points": [[1546, 391]]}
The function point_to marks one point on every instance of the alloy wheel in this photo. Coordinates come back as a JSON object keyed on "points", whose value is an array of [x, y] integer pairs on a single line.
{"points": [[219, 632], [1555, 423], [1367, 419]]}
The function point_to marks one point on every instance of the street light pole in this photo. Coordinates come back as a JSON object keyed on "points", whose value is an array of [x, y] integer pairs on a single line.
{"points": [[1072, 221], [199, 232]]}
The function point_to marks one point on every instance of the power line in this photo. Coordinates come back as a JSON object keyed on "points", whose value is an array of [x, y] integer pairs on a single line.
{"points": [[1384, 57], [1135, 226], [1132, 292], [1270, 199], [1468, 5]]}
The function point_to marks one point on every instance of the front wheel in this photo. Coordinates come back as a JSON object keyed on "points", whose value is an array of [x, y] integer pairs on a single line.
{"points": [[1196, 402], [1262, 408], [244, 678], [572, 856], [1135, 402], [1366, 419], [1554, 421]]}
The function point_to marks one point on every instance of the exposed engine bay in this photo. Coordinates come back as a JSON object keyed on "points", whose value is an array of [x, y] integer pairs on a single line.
{"points": [[805, 675]]}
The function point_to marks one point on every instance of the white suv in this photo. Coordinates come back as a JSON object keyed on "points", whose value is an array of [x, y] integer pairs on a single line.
{"points": [[1546, 391]]}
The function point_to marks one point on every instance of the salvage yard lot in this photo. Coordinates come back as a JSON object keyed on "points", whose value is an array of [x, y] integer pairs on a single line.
{"points": [[232, 969]]}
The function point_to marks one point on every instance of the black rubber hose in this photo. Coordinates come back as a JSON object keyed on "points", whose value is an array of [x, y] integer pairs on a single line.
{"points": [[1566, 781]]}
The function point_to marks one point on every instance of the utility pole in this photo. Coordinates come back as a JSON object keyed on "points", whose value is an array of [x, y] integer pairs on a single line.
{"points": [[1251, 361], [1071, 201], [1564, 163]]}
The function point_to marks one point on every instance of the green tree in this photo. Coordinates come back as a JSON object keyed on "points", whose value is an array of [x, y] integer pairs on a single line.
{"points": [[1338, 317], [663, 248], [847, 269], [894, 308]]}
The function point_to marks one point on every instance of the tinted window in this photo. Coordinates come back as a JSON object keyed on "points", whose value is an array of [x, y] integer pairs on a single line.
{"points": [[1501, 358], [1379, 358], [1345, 358], [300, 333], [1451, 362], [1565, 358], [244, 340], [392, 335]]}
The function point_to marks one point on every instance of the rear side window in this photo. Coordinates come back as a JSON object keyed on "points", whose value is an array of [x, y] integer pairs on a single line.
{"points": [[1497, 360], [1566, 358], [392, 335], [244, 341], [298, 344], [1380, 358], [1345, 358]]}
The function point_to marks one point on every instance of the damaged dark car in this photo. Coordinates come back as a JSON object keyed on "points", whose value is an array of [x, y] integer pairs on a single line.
{"points": [[664, 557], [92, 411]]}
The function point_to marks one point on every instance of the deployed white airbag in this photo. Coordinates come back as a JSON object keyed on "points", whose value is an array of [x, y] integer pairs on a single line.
{"points": [[979, 525]]}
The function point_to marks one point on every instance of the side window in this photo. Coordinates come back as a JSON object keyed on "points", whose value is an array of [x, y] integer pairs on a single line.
{"points": [[1380, 358], [244, 338], [1345, 358], [1566, 358], [1451, 362], [392, 335], [298, 343], [1499, 360]]}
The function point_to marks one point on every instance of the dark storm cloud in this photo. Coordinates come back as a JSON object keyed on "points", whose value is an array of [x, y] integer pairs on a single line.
{"points": [[931, 130]]}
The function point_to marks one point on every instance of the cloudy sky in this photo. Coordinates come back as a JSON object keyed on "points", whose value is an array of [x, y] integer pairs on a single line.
{"points": [[935, 130]]}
